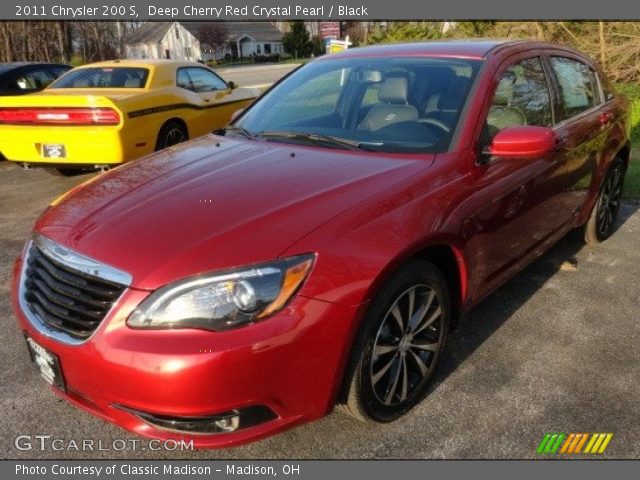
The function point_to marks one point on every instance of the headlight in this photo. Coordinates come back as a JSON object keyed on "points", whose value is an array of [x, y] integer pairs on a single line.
{"points": [[223, 301]]}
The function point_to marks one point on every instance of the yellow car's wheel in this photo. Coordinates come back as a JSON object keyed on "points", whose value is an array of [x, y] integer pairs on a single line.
{"points": [[171, 133]]}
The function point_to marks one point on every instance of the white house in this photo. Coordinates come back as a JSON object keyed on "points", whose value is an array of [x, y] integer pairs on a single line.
{"points": [[181, 41]]}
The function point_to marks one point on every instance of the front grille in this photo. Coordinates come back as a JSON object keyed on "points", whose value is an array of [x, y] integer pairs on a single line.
{"points": [[64, 298]]}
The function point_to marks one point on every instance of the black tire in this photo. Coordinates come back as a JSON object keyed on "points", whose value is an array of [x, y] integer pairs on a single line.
{"points": [[383, 386], [64, 172], [602, 222], [171, 134]]}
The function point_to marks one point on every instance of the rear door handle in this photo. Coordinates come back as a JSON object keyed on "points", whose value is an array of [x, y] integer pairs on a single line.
{"points": [[605, 118]]}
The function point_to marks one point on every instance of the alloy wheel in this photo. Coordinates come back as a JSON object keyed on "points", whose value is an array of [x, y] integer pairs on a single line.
{"points": [[406, 345], [173, 137], [609, 201]]}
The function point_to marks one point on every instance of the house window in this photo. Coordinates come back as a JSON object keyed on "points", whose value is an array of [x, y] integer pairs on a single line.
{"points": [[267, 49], [187, 52], [167, 54], [258, 48], [177, 30]]}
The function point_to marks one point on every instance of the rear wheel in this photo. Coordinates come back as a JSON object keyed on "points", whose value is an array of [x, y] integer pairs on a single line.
{"points": [[602, 222], [399, 344], [171, 134]]}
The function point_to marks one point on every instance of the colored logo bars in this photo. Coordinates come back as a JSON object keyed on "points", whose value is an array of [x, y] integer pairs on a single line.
{"points": [[553, 443]]}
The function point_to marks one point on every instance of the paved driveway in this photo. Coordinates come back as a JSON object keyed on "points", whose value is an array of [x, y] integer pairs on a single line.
{"points": [[256, 75], [556, 349]]}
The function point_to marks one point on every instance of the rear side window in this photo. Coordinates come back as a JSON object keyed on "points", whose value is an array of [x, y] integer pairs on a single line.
{"points": [[521, 98], [577, 84]]}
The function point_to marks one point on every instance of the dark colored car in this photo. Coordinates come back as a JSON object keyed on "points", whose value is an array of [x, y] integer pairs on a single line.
{"points": [[24, 77], [320, 249]]}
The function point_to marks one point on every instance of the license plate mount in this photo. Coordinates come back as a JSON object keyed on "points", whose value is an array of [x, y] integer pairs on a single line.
{"points": [[53, 150], [47, 363]]}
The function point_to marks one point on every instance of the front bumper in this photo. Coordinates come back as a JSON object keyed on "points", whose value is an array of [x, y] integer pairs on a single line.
{"points": [[290, 363]]}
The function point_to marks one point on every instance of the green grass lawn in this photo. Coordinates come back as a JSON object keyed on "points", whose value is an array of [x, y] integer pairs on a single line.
{"points": [[632, 180]]}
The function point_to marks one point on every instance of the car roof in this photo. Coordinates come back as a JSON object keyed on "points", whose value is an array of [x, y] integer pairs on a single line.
{"points": [[8, 66], [141, 63], [466, 48]]}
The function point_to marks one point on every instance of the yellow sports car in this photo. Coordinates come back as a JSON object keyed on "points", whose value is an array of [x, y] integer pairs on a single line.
{"points": [[107, 113]]}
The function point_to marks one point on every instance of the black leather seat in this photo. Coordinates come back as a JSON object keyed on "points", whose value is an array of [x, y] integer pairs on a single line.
{"points": [[447, 105], [442, 81], [393, 106]]}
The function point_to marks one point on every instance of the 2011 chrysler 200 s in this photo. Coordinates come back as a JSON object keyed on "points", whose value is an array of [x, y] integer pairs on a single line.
{"points": [[318, 250]]}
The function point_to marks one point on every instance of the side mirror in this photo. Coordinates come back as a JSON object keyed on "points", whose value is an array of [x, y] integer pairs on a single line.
{"points": [[236, 114], [232, 85], [523, 142]]}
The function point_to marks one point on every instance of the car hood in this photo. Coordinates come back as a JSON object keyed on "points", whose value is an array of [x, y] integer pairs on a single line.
{"points": [[215, 203]]}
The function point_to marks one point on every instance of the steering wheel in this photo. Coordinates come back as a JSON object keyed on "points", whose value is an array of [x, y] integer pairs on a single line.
{"points": [[436, 123]]}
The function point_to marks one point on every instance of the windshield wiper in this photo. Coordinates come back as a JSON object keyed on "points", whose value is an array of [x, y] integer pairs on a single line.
{"points": [[316, 139], [233, 129]]}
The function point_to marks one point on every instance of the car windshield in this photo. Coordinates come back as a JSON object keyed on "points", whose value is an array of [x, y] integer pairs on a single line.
{"points": [[405, 104], [104, 77]]}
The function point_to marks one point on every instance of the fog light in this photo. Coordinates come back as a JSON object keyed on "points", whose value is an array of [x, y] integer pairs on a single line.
{"points": [[226, 422]]}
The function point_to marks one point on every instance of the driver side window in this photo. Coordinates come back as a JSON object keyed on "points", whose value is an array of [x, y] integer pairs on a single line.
{"points": [[199, 80], [183, 80], [521, 98]]}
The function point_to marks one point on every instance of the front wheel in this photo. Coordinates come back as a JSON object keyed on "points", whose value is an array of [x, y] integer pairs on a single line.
{"points": [[601, 223], [399, 344]]}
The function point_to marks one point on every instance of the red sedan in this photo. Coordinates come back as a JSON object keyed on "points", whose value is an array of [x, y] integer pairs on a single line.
{"points": [[319, 250]]}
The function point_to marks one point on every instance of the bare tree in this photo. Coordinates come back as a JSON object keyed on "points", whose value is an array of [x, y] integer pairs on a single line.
{"points": [[603, 45], [215, 35], [65, 42]]}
